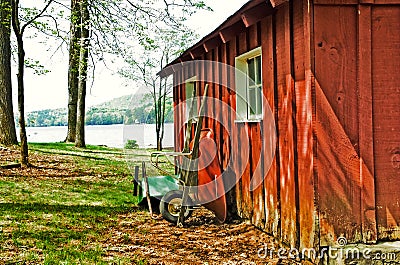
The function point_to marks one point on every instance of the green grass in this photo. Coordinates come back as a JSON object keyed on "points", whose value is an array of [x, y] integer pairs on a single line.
{"points": [[67, 220], [102, 159]]}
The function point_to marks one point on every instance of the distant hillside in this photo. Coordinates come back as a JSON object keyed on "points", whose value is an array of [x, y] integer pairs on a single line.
{"points": [[123, 102], [126, 109], [47, 117]]}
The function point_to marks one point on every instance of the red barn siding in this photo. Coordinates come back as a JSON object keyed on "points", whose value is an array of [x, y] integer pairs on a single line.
{"points": [[339, 169], [271, 182], [386, 121], [285, 127], [304, 118], [329, 74], [226, 116], [242, 46], [366, 151]]}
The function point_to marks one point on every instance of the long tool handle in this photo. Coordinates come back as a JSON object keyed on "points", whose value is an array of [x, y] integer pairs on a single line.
{"points": [[189, 170]]}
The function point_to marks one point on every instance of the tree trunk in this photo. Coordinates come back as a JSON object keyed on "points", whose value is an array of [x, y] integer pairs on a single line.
{"points": [[20, 79], [162, 118], [159, 142], [73, 70], [8, 134], [21, 102], [158, 125], [159, 109], [83, 67]]}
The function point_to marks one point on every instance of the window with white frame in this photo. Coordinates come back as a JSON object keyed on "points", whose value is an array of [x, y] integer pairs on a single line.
{"points": [[190, 91], [249, 86]]}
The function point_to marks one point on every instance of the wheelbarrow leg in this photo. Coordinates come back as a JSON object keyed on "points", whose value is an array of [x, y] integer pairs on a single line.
{"points": [[136, 182], [146, 187]]}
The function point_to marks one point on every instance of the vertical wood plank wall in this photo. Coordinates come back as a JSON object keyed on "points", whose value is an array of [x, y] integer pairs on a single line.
{"points": [[271, 182], [328, 71], [304, 110], [285, 86], [337, 121], [385, 25], [274, 205], [357, 121]]}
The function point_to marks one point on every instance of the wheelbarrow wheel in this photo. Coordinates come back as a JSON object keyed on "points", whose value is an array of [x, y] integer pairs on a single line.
{"points": [[170, 206]]}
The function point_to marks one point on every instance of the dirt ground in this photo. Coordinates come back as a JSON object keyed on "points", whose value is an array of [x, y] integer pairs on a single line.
{"points": [[140, 238], [202, 241]]}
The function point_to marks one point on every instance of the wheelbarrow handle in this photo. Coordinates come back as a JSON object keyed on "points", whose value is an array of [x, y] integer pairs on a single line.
{"points": [[154, 157]]}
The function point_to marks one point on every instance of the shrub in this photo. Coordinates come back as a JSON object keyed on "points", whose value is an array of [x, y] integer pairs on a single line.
{"points": [[131, 144]]}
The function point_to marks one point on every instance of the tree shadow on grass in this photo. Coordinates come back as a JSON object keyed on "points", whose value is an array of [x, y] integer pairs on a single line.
{"points": [[72, 154], [60, 208], [60, 223]]}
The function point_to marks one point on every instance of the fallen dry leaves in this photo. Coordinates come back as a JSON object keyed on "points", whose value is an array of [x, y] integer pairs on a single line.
{"points": [[202, 241], [43, 165]]}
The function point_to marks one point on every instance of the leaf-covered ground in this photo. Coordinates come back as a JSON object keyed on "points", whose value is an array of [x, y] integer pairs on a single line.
{"points": [[76, 207]]}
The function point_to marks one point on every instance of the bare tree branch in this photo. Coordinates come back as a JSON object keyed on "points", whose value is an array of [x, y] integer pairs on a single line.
{"points": [[35, 17]]}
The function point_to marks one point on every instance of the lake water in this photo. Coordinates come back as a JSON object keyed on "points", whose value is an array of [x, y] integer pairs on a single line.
{"points": [[110, 135]]}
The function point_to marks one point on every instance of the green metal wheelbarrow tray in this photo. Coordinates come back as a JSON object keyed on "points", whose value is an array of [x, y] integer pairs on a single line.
{"points": [[158, 186], [166, 192]]}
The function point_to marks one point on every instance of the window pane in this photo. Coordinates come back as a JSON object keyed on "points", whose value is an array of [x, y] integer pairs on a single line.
{"points": [[258, 70], [259, 100], [251, 71], [252, 101]]}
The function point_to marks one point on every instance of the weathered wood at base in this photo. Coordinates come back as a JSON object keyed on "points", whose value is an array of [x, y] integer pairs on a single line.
{"points": [[305, 163], [257, 169], [339, 177]]}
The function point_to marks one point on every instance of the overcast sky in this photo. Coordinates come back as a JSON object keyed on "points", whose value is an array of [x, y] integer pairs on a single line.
{"points": [[50, 90]]}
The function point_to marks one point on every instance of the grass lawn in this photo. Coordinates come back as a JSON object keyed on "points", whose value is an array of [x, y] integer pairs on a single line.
{"points": [[75, 206], [62, 210]]}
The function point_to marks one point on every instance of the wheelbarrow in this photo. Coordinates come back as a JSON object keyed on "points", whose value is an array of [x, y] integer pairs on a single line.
{"points": [[199, 180], [208, 189], [152, 188]]}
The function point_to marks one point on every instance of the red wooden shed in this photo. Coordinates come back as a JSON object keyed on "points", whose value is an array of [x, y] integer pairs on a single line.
{"points": [[329, 70]]}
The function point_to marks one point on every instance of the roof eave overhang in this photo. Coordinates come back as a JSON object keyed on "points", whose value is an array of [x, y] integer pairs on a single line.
{"points": [[248, 15]]}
